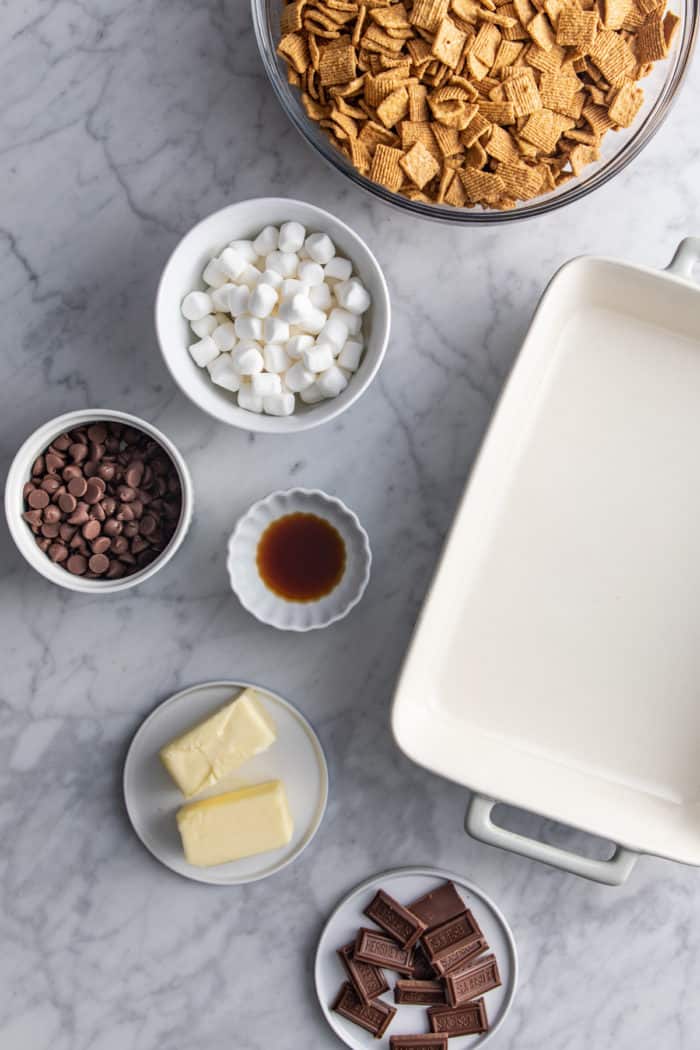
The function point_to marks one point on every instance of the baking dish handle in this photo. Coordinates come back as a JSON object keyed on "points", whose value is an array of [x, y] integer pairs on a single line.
{"points": [[612, 872], [686, 258]]}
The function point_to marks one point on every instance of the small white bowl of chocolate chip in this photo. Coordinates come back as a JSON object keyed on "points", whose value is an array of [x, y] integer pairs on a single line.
{"points": [[97, 501]]}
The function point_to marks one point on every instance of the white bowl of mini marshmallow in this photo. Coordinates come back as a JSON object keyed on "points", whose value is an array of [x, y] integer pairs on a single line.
{"points": [[272, 315]]}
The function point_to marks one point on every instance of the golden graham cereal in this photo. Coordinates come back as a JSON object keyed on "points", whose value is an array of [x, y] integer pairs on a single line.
{"points": [[472, 103]]}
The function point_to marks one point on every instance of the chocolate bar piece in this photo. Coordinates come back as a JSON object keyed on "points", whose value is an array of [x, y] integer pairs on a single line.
{"points": [[458, 958], [456, 933], [438, 906], [422, 966], [367, 980], [481, 977], [374, 1017], [381, 950], [395, 919], [468, 1019], [419, 993], [433, 1041]]}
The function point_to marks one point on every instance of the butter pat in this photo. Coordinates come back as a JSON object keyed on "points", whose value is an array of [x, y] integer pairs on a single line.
{"points": [[219, 745], [236, 824]]}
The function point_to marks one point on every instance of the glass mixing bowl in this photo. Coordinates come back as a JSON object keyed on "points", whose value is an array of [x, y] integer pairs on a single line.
{"points": [[617, 150]]}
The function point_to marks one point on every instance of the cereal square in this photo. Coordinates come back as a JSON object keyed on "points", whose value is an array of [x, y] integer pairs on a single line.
{"points": [[501, 146], [419, 164], [541, 31], [428, 14], [626, 104], [522, 92], [417, 102], [577, 28], [294, 49], [482, 186], [337, 64], [543, 130], [615, 12], [520, 180], [613, 57], [454, 194], [651, 41], [486, 44], [447, 139], [557, 91], [581, 156], [394, 108], [291, 17], [385, 168], [448, 43]]}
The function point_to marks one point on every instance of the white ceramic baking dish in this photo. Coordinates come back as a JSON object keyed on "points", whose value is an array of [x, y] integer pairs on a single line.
{"points": [[556, 664]]}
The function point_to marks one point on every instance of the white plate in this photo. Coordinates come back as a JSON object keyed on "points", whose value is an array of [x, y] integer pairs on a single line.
{"points": [[152, 799], [405, 884]]}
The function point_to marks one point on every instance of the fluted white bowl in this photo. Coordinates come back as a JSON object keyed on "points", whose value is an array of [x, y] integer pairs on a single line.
{"points": [[269, 607]]}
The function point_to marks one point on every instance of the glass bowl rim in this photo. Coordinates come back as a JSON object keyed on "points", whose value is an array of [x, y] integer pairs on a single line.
{"points": [[630, 149]]}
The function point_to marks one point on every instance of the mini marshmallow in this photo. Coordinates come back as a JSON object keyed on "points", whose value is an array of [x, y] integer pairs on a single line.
{"points": [[196, 305], [204, 351], [275, 330], [205, 326], [313, 320], [353, 321], [350, 355], [247, 359], [238, 299], [279, 404], [292, 286], [266, 241], [248, 327], [335, 332], [223, 373], [298, 378], [320, 296], [271, 277], [338, 269], [213, 274], [310, 272], [220, 297], [318, 358], [292, 236], [225, 336], [296, 310], [249, 276], [320, 247], [265, 383], [331, 382], [248, 400], [246, 249], [232, 262], [353, 296], [275, 357], [263, 300], [297, 344], [284, 262], [312, 395]]}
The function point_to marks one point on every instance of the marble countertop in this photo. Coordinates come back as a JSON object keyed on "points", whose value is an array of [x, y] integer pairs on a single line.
{"points": [[122, 123]]}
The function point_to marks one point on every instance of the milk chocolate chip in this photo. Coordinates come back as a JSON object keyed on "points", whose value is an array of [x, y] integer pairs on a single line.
{"points": [[103, 501]]}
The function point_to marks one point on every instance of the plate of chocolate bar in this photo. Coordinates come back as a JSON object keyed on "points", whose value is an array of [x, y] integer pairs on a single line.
{"points": [[416, 959]]}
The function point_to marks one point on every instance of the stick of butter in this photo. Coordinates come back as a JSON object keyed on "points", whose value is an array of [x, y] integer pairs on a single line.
{"points": [[236, 824], [220, 744]]}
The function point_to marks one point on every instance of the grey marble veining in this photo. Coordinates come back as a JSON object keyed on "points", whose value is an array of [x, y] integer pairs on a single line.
{"points": [[122, 123]]}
